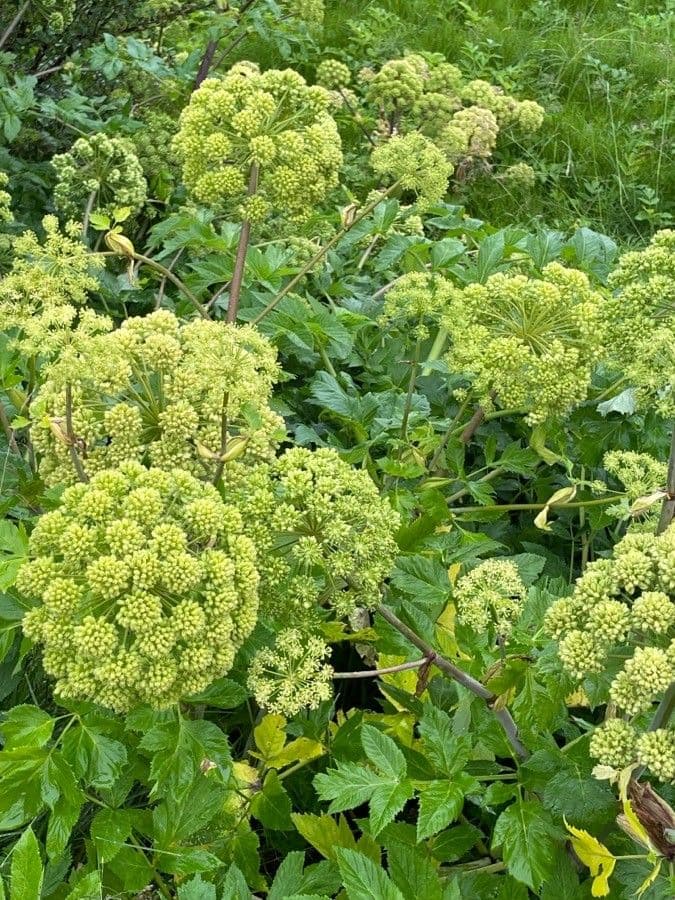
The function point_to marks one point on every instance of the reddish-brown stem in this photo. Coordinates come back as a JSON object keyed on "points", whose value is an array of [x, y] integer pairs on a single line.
{"points": [[240, 261], [472, 425], [502, 714]]}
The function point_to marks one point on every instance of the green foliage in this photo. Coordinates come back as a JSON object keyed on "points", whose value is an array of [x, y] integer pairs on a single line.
{"points": [[329, 563]]}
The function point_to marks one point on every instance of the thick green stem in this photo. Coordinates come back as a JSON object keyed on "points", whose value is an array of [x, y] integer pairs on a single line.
{"points": [[319, 255], [436, 350], [665, 710], [668, 508], [507, 507], [414, 365], [502, 715]]}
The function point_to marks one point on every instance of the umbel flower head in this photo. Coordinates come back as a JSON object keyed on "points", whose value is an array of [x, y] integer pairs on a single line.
{"points": [[100, 170], [531, 343], [417, 299], [624, 607], [5, 200], [490, 596], [417, 163], [271, 119], [42, 295], [639, 473], [327, 535], [292, 675], [145, 587], [640, 317], [162, 392]]}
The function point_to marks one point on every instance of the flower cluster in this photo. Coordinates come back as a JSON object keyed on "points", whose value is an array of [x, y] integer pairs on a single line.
{"points": [[272, 120], [333, 74], [625, 607], [5, 200], [145, 586], [48, 283], [639, 473], [291, 675], [415, 299], [528, 343], [43, 20], [641, 317], [170, 394], [425, 93], [415, 162], [152, 145], [325, 534], [519, 175], [311, 12], [490, 596], [99, 172]]}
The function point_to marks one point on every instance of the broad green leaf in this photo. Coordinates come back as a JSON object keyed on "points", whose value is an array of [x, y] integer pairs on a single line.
{"points": [[234, 886], [109, 830], [386, 802], [26, 726], [446, 750], [272, 806], [188, 861], [270, 736], [383, 752], [528, 840], [325, 833], [89, 888], [224, 693], [26, 872], [196, 889], [292, 878], [95, 757], [440, 803], [346, 786], [363, 880], [413, 874], [21, 779]]}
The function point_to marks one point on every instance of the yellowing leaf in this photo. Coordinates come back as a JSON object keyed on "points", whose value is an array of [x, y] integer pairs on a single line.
{"points": [[270, 736], [453, 572], [302, 749], [563, 496], [541, 520], [650, 879], [596, 856]]}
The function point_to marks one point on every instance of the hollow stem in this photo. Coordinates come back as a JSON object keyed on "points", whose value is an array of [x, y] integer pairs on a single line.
{"points": [[70, 435], [502, 715], [436, 350], [321, 252], [242, 247], [507, 507], [668, 507], [414, 365]]}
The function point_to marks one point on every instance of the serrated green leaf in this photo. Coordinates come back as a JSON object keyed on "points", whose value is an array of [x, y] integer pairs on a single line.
{"points": [[386, 802], [234, 886], [346, 786], [363, 880], [528, 841], [26, 872], [383, 753], [88, 888], [109, 830], [26, 726], [272, 806], [196, 889], [324, 833], [446, 750], [413, 874], [440, 803]]}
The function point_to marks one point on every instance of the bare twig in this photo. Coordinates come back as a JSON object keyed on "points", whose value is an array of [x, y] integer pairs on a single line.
{"points": [[388, 670], [70, 435], [7, 33], [668, 508], [91, 199], [502, 715], [205, 64], [162, 285], [242, 247]]}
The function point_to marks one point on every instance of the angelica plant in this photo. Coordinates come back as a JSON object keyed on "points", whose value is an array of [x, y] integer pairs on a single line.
{"points": [[160, 391], [623, 610], [490, 596], [98, 173], [43, 296], [326, 535], [143, 586], [527, 343]]}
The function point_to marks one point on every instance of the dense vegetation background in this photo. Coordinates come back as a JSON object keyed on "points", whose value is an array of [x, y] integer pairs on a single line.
{"points": [[338, 449]]}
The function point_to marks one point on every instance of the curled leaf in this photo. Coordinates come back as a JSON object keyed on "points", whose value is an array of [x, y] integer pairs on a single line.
{"points": [[596, 856]]}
